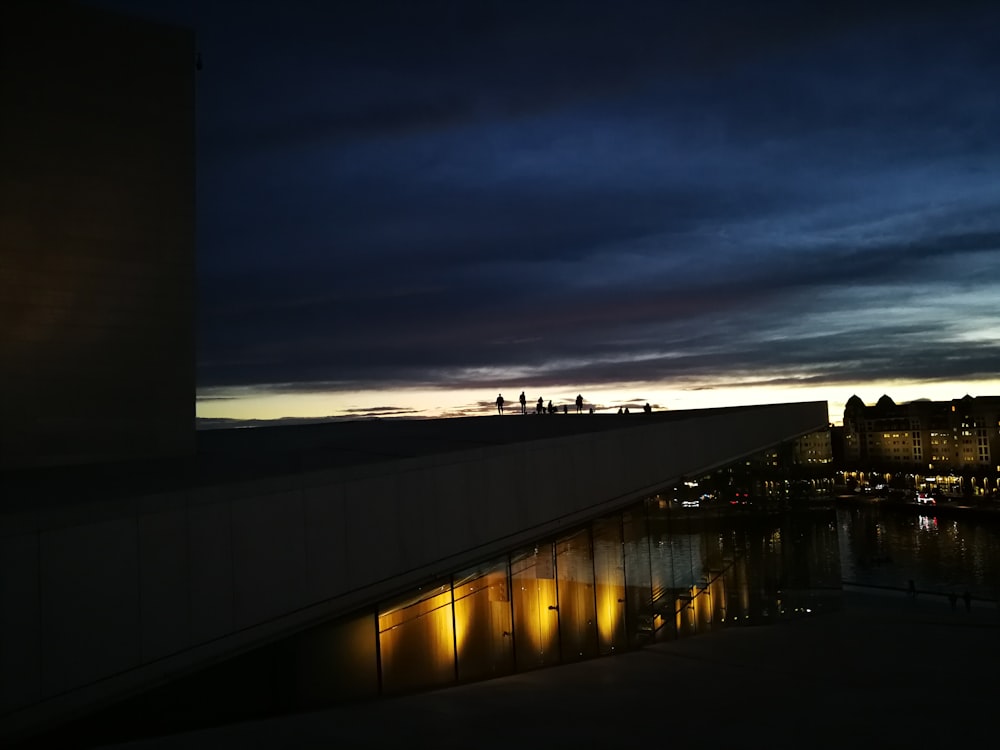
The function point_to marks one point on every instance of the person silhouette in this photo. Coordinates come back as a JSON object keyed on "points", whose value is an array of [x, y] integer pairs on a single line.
{"points": [[524, 402], [552, 409], [499, 403], [619, 410], [647, 408], [626, 410], [579, 403], [540, 408]]}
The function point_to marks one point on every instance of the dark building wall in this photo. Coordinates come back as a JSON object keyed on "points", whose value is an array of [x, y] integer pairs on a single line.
{"points": [[108, 596], [97, 212]]}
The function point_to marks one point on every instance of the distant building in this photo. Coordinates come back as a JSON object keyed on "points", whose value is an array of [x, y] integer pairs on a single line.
{"points": [[97, 236], [809, 451], [958, 435], [808, 455], [814, 449]]}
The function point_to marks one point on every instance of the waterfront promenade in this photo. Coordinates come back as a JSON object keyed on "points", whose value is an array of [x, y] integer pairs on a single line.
{"points": [[885, 671]]}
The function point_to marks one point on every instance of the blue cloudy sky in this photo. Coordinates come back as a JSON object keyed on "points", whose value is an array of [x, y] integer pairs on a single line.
{"points": [[406, 207]]}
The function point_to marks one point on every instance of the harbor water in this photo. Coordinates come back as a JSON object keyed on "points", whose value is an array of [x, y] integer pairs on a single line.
{"points": [[884, 547]]}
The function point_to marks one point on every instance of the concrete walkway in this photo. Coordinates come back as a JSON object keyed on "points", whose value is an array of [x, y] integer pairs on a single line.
{"points": [[884, 672]]}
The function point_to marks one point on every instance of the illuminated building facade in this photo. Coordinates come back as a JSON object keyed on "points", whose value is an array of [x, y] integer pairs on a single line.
{"points": [[97, 274], [656, 571], [958, 435], [318, 552], [814, 449]]}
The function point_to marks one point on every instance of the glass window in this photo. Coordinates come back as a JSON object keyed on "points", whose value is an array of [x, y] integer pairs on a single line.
{"points": [[577, 604], [417, 640], [609, 584], [483, 630], [536, 614]]}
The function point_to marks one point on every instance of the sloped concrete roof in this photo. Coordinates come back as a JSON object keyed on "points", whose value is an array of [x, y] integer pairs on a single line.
{"points": [[240, 454]]}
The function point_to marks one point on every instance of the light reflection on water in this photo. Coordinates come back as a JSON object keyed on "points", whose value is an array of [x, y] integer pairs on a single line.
{"points": [[882, 547]]}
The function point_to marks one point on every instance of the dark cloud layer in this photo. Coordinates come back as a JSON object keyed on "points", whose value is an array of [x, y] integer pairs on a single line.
{"points": [[399, 193]]}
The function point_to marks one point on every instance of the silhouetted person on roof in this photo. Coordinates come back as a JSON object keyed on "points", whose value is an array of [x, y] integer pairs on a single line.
{"points": [[499, 404], [540, 407], [524, 402], [647, 408], [552, 409], [579, 403]]}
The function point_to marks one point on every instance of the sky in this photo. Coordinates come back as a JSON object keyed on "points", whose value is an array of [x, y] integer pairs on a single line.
{"points": [[406, 208]]}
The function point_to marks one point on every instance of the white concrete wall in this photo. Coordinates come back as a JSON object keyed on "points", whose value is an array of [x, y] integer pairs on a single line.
{"points": [[99, 600]]}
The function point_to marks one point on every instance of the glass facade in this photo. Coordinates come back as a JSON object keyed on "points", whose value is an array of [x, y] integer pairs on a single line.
{"points": [[484, 643], [417, 640], [739, 546], [609, 584], [655, 571], [577, 600], [536, 610], [661, 569]]}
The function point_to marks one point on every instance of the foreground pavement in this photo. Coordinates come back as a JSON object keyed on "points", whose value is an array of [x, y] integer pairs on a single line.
{"points": [[886, 671]]}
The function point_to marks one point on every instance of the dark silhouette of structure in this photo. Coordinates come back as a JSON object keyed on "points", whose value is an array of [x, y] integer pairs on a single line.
{"points": [[132, 577], [129, 580], [96, 236]]}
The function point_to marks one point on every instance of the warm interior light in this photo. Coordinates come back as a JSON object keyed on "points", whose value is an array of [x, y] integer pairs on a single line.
{"points": [[417, 642]]}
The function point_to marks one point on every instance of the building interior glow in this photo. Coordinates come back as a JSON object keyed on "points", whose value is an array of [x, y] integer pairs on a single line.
{"points": [[417, 642], [536, 614], [650, 571]]}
